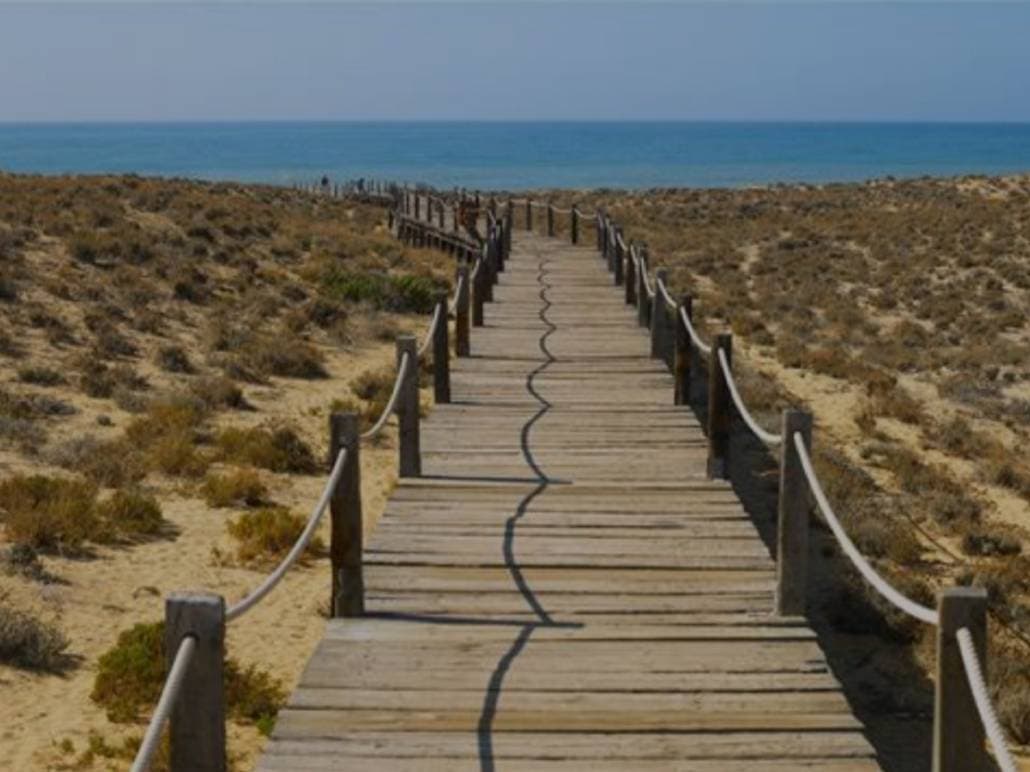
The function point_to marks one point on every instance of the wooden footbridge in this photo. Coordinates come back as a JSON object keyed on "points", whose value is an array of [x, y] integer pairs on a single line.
{"points": [[562, 579]]}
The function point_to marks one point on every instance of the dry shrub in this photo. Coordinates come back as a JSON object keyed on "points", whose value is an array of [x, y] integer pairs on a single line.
{"points": [[131, 514], [1009, 674], [30, 643], [891, 400], [174, 359], [266, 535], [276, 449], [984, 543], [48, 512], [108, 463], [167, 437], [40, 376], [217, 393], [241, 487]]}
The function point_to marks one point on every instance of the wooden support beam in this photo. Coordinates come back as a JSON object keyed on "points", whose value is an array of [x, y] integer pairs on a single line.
{"points": [[441, 354], [719, 401], [792, 513], [197, 722], [958, 734], [574, 227], [461, 312], [347, 596], [409, 443], [683, 351]]}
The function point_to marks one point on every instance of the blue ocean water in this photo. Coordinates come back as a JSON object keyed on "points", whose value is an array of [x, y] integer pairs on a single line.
{"points": [[522, 155]]}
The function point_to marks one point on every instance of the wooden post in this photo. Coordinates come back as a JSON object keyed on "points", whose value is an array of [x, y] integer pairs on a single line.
{"points": [[347, 596], [529, 214], [618, 257], [719, 409], [441, 354], [490, 264], [499, 239], [409, 445], [574, 226], [792, 512], [604, 242], [550, 220], [197, 725], [454, 218], [681, 364], [461, 313], [439, 215], [631, 278], [478, 295], [958, 734], [658, 314], [418, 206], [506, 231]]}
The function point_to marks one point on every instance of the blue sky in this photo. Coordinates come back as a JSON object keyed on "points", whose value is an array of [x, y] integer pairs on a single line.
{"points": [[820, 60]]}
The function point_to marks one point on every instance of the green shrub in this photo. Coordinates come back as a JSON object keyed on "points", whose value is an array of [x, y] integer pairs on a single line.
{"points": [[219, 392], [240, 487], [27, 642], [406, 293], [278, 450], [131, 674], [167, 436], [268, 534]]}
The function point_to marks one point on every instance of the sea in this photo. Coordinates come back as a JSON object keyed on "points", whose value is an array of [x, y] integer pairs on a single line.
{"points": [[521, 155]]}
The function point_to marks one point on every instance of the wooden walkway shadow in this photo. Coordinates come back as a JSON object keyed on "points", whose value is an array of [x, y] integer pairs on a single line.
{"points": [[564, 588]]}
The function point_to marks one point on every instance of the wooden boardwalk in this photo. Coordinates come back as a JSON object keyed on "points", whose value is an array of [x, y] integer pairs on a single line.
{"points": [[563, 588]]}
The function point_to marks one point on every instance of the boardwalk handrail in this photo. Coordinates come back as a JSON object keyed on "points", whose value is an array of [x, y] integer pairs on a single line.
{"points": [[195, 624], [961, 645]]}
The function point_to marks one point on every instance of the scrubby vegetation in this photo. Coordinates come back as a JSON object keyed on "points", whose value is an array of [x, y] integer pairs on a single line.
{"points": [[28, 642], [131, 674], [267, 534]]}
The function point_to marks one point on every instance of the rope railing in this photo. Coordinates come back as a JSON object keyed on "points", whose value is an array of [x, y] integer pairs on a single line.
{"points": [[392, 403], [881, 585], [169, 694], [428, 340], [701, 346], [244, 605], [665, 294], [978, 686], [767, 437]]}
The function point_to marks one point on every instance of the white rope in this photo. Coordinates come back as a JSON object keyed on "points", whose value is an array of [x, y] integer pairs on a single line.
{"points": [[983, 701], [388, 410], [453, 306], [622, 244], [762, 434], [559, 210], [910, 607], [242, 607], [643, 274], [430, 332], [665, 293], [475, 269], [169, 693], [698, 343]]}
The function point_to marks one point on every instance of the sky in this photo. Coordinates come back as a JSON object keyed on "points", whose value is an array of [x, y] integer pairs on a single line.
{"points": [[496, 60]]}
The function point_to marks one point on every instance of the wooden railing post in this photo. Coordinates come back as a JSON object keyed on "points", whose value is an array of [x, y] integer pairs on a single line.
{"points": [[461, 312], [454, 218], [499, 239], [439, 215], [550, 220], [197, 723], [604, 240], [681, 364], [490, 258], [617, 260], [658, 314], [792, 513], [347, 594], [719, 408], [418, 206], [574, 226], [529, 214], [409, 445], [506, 231], [441, 354], [631, 278], [958, 734], [478, 296]]}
